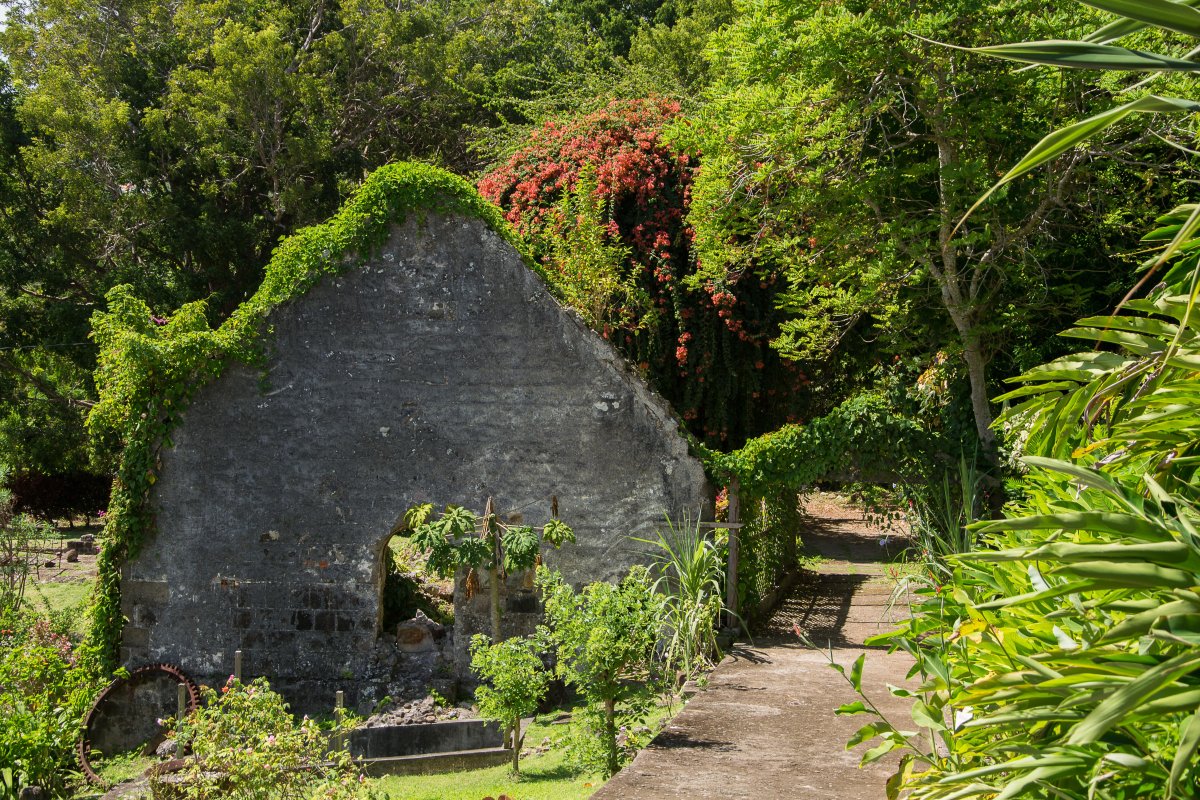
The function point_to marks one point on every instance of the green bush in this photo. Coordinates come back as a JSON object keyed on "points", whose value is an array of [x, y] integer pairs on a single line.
{"points": [[604, 639], [515, 682], [18, 535], [1062, 658], [43, 696], [247, 746]]}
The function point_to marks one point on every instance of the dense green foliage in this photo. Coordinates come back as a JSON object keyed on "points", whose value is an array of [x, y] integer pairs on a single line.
{"points": [[515, 681], [839, 149], [247, 745], [1062, 659], [601, 200], [1067, 650], [864, 438], [604, 639], [459, 538], [170, 145], [44, 695]]}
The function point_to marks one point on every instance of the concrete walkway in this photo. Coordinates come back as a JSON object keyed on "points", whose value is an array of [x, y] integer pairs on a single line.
{"points": [[764, 727]]}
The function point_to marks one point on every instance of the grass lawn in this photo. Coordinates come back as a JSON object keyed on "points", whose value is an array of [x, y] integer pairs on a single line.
{"points": [[55, 596], [546, 776], [543, 777]]}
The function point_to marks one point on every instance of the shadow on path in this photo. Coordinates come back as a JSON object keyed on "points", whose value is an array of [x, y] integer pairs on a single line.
{"points": [[819, 605], [847, 539]]}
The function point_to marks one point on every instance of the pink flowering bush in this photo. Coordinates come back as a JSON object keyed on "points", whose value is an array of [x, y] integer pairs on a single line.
{"points": [[602, 202], [246, 745]]}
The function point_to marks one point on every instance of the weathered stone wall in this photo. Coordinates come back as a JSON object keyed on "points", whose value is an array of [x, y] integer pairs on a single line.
{"points": [[440, 370]]}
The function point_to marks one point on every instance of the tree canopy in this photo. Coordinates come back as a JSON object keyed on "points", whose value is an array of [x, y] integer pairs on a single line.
{"points": [[840, 148]]}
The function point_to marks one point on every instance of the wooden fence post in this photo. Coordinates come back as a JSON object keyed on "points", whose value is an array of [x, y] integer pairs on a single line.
{"points": [[494, 572], [237, 665], [731, 576]]}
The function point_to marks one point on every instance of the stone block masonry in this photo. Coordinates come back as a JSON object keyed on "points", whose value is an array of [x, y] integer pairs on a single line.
{"points": [[439, 370]]}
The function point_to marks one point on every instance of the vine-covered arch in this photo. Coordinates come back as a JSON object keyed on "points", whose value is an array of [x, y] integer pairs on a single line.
{"points": [[403, 352]]}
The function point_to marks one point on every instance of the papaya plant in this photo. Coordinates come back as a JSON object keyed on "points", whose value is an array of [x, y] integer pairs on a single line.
{"points": [[461, 538]]}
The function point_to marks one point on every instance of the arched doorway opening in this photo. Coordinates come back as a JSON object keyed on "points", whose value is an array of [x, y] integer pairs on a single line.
{"points": [[406, 588]]}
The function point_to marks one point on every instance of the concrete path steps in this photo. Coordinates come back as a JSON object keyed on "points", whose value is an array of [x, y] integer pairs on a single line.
{"points": [[764, 727]]}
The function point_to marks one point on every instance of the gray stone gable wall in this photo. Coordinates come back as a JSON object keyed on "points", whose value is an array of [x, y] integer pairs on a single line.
{"points": [[441, 370]]}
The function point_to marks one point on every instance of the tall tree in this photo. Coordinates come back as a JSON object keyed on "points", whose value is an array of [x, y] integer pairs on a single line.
{"points": [[841, 148], [169, 145]]}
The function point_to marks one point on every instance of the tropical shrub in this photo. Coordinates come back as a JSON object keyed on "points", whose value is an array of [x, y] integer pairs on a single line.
{"points": [[44, 696], [247, 745], [18, 535], [1064, 659], [836, 163], [604, 640], [607, 184], [515, 681]]}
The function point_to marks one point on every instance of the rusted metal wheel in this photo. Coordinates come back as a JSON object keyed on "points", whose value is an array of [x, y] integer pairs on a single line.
{"points": [[125, 686]]}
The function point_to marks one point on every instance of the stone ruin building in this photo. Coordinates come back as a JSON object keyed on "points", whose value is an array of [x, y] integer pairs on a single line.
{"points": [[440, 370]]}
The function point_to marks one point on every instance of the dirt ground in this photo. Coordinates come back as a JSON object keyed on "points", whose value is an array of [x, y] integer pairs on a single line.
{"points": [[61, 583]]}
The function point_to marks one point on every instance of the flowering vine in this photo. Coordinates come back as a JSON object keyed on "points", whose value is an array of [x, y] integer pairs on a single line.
{"points": [[705, 345]]}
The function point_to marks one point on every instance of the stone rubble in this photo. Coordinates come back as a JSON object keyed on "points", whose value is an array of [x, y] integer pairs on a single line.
{"points": [[419, 712]]}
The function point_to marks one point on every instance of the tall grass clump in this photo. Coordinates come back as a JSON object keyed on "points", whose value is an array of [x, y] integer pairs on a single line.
{"points": [[942, 513], [689, 569]]}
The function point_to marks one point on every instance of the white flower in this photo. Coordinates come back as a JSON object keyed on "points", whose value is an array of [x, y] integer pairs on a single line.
{"points": [[962, 716]]}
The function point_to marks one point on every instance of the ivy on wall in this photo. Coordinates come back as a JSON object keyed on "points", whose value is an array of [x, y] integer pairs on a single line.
{"points": [[149, 366], [862, 439]]}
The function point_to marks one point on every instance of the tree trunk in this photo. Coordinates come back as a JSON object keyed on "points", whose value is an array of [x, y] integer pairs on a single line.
{"points": [[993, 499], [494, 579], [980, 406], [515, 732], [610, 734], [493, 538]]}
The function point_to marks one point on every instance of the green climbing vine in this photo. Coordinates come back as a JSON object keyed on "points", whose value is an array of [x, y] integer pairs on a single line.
{"points": [[862, 438], [150, 366]]}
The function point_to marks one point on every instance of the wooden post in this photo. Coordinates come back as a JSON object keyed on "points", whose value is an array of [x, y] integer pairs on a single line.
{"points": [[180, 701], [494, 573], [237, 665], [731, 576], [339, 706]]}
